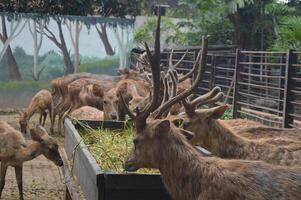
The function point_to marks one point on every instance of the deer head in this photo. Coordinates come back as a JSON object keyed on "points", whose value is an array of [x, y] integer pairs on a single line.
{"points": [[49, 145], [150, 130], [23, 121], [200, 120]]}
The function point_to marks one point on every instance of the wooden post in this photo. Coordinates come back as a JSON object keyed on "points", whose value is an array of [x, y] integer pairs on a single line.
{"points": [[235, 106], [290, 84]]}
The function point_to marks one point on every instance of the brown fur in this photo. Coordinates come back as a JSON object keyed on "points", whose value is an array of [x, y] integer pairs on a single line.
{"points": [[87, 113], [40, 103], [60, 89], [133, 91], [14, 151], [189, 176], [221, 141]]}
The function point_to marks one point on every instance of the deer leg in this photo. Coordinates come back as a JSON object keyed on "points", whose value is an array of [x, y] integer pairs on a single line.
{"points": [[2, 176], [19, 172], [60, 122], [41, 116], [44, 118]]}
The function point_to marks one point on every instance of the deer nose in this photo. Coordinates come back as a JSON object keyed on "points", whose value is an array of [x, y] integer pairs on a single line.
{"points": [[114, 116]]}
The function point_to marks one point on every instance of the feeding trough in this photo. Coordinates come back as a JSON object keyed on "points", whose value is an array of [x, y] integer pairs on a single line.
{"points": [[100, 185]]}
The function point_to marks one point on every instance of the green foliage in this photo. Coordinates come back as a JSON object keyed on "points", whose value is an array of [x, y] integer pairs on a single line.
{"points": [[171, 32], [24, 85], [227, 115], [289, 36], [105, 66]]}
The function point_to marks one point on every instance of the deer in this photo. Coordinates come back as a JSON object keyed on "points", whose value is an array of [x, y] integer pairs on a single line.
{"points": [[61, 100], [186, 174], [40, 103], [14, 151], [87, 113], [134, 93], [211, 134]]}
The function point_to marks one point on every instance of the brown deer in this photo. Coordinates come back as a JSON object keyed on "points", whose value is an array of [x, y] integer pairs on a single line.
{"points": [[87, 113], [40, 103], [186, 174], [225, 143], [133, 91], [60, 89], [14, 151]]}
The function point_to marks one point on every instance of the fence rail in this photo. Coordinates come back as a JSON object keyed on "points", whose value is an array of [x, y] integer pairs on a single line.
{"points": [[263, 86]]}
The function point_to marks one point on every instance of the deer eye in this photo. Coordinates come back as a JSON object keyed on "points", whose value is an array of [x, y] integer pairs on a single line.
{"points": [[105, 102]]}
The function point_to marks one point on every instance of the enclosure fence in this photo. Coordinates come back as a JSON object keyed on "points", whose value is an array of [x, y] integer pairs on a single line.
{"points": [[260, 85]]}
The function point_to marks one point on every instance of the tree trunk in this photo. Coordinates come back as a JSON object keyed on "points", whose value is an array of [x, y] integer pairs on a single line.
{"points": [[13, 70], [67, 59], [105, 40]]}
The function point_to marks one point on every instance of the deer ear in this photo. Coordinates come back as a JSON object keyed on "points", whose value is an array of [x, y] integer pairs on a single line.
{"points": [[35, 135], [189, 135], [218, 111], [163, 126], [97, 91], [123, 88]]}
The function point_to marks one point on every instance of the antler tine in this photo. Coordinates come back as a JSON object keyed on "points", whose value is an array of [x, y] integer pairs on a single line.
{"points": [[215, 99], [170, 58], [183, 78], [202, 59], [174, 79], [179, 62], [213, 96], [201, 100], [166, 88]]}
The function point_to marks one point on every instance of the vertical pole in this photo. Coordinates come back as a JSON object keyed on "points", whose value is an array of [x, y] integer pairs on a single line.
{"points": [[290, 84], [235, 105]]}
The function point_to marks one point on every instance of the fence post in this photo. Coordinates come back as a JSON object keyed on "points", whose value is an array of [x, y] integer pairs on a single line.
{"points": [[235, 105], [290, 84]]}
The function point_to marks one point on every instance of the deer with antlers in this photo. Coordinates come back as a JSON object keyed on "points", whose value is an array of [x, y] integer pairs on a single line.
{"points": [[186, 174], [14, 151], [225, 143]]}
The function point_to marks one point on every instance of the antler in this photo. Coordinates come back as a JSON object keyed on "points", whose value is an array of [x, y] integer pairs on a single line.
{"points": [[211, 97], [202, 57], [154, 60], [171, 65]]}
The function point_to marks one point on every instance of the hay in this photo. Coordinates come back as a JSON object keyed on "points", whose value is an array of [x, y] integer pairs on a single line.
{"points": [[110, 148]]}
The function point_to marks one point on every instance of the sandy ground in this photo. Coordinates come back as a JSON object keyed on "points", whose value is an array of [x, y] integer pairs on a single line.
{"points": [[41, 178]]}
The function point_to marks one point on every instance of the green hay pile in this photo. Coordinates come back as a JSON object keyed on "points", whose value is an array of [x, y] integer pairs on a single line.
{"points": [[110, 148]]}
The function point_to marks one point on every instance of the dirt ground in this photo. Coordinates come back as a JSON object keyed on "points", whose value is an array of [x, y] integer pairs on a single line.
{"points": [[41, 178]]}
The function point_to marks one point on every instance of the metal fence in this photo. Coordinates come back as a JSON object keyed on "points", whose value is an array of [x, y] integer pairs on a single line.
{"points": [[263, 86]]}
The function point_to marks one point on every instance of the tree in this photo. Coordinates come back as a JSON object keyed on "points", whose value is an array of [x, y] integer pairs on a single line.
{"points": [[75, 40], [36, 29], [61, 44], [16, 28]]}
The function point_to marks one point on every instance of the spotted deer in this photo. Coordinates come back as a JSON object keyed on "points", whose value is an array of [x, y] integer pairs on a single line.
{"points": [[185, 173], [14, 151], [87, 113], [40, 103]]}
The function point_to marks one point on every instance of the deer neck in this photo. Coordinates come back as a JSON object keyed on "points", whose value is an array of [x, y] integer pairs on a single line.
{"points": [[29, 112], [29, 152], [182, 169], [225, 143]]}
